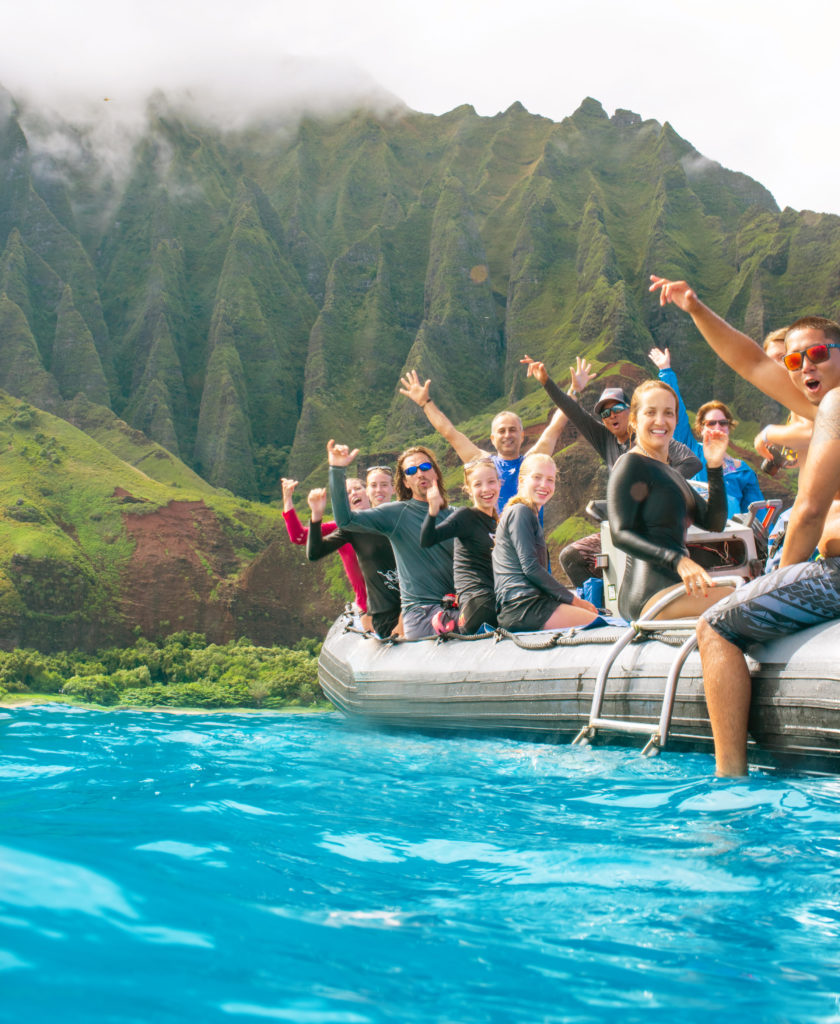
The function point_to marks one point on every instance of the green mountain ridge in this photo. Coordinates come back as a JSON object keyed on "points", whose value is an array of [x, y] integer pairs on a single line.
{"points": [[240, 296]]}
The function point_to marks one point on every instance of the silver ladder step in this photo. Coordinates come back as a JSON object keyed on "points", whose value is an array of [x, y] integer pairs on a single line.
{"points": [[657, 734]]}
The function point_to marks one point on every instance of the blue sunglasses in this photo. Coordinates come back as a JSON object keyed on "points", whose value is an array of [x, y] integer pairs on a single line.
{"points": [[411, 470]]}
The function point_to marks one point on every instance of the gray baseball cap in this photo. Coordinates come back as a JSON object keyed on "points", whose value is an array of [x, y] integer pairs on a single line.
{"points": [[609, 395]]}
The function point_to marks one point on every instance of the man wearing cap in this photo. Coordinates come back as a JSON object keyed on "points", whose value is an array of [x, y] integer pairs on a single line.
{"points": [[607, 429]]}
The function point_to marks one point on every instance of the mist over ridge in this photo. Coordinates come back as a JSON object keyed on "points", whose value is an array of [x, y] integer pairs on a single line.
{"points": [[241, 282]]}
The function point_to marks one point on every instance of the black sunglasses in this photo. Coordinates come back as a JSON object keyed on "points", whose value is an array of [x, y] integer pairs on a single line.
{"points": [[816, 353], [411, 470], [611, 410]]}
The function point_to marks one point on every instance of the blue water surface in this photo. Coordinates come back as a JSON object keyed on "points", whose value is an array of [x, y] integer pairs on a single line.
{"points": [[252, 868]]}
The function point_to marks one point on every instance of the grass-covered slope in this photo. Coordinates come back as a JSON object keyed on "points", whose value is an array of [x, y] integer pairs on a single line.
{"points": [[240, 296], [105, 536]]}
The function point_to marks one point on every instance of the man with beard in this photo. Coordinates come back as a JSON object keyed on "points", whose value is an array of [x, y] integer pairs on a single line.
{"points": [[426, 580]]}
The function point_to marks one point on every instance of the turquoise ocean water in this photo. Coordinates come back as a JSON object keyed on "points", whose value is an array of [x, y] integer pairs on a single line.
{"points": [[252, 868]]}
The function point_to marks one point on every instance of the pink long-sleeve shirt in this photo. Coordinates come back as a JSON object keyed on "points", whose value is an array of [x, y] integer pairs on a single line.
{"points": [[298, 534]]}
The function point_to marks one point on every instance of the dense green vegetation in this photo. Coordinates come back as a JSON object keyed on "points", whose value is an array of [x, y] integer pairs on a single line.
{"points": [[244, 295], [176, 335], [181, 671]]}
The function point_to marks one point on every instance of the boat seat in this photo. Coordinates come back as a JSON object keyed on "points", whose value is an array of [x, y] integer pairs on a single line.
{"points": [[732, 552], [657, 733]]}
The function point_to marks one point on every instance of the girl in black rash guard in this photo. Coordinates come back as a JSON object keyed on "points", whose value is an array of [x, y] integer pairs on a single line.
{"points": [[473, 530], [651, 506]]}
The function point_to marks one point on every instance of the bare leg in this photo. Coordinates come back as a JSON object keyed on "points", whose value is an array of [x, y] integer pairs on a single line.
{"points": [[687, 606], [566, 615], [726, 680]]}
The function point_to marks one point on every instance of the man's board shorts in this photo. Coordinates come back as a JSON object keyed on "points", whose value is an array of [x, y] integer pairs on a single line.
{"points": [[778, 604], [417, 620]]}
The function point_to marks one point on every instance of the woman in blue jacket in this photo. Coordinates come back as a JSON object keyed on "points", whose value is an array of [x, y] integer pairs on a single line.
{"points": [[739, 479]]}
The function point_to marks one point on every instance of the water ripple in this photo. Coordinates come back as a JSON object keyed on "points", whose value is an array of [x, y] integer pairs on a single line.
{"points": [[299, 868]]}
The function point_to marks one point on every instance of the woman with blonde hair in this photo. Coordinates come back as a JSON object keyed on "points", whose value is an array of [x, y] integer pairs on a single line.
{"points": [[650, 507], [528, 597]]}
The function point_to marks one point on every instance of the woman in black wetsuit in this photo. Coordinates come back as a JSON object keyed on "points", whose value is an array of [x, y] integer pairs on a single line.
{"points": [[651, 506], [473, 530]]}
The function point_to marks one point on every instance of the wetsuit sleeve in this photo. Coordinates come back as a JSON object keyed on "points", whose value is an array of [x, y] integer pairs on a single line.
{"points": [[432, 532], [682, 431], [521, 533], [371, 520], [294, 527], [323, 539], [625, 492], [683, 460], [589, 426], [712, 513]]}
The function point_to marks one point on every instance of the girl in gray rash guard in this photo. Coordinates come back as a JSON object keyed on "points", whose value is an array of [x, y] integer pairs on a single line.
{"points": [[527, 595]]}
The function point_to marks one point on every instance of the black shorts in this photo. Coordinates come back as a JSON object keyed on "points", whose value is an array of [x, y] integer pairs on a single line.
{"points": [[778, 604], [527, 614], [384, 623], [477, 610]]}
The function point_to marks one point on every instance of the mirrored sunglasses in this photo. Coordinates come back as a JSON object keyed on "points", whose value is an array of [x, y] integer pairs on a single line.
{"points": [[816, 354], [411, 470], [378, 469], [611, 410]]}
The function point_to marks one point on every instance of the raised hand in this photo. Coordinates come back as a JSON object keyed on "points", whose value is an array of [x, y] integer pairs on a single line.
{"points": [[760, 445], [288, 490], [581, 373], [317, 502], [715, 443], [660, 357], [435, 500], [413, 389], [340, 454], [535, 369], [679, 292]]}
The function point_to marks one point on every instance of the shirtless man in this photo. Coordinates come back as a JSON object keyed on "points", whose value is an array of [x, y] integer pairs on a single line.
{"points": [[794, 435], [506, 434], [800, 593]]}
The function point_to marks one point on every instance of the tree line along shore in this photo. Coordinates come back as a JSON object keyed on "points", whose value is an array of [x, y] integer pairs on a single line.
{"points": [[182, 671]]}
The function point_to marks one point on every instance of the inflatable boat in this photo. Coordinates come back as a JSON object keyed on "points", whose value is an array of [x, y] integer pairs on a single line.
{"points": [[640, 684]]}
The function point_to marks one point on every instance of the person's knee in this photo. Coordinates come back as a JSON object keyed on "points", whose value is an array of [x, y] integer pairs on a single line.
{"points": [[704, 630], [574, 564]]}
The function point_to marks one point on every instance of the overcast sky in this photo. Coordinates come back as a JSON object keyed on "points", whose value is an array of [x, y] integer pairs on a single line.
{"points": [[752, 85]]}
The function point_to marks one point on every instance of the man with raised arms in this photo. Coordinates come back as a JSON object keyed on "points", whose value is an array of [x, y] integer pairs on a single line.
{"points": [[607, 430], [506, 434], [425, 574], [800, 593]]}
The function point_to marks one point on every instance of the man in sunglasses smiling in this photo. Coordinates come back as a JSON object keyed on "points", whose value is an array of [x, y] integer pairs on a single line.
{"points": [[800, 593], [425, 574]]}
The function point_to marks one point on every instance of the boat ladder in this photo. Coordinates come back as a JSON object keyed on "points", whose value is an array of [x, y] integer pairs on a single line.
{"points": [[657, 733]]}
